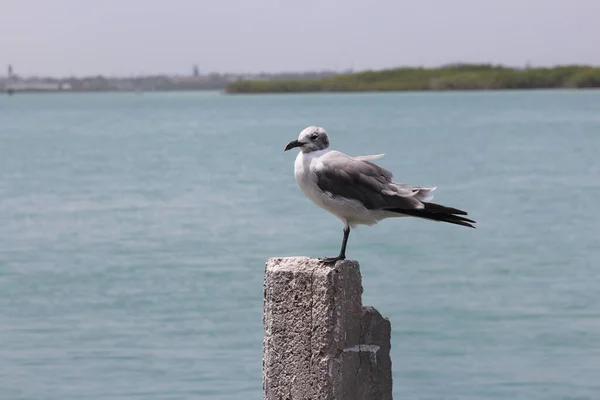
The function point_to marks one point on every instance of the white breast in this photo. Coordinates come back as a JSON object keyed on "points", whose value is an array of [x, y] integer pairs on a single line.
{"points": [[304, 168]]}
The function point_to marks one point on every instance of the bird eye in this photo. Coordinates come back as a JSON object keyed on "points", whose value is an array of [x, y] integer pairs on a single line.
{"points": [[314, 136]]}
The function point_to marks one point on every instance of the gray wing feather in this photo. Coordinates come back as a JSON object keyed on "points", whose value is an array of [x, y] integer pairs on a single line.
{"points": [[366, 182]]}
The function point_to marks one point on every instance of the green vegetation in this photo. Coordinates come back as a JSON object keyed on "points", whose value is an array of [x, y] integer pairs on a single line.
{"points": [[452, 77]]}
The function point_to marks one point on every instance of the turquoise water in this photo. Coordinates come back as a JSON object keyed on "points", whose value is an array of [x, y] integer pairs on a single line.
{"points": [[134, 231]]}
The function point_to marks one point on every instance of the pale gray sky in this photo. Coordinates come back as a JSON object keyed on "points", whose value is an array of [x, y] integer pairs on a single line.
{"points": [[124, 37]]}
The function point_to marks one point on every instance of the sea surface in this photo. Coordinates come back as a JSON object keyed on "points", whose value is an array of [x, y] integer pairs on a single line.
{"points": [[134, 229]]}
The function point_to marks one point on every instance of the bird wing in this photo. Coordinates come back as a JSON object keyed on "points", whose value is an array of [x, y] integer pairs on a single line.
{"points": [[360, 179]]}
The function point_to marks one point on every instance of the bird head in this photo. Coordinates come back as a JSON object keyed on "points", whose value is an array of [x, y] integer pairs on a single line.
{"points": [[310, 139]]}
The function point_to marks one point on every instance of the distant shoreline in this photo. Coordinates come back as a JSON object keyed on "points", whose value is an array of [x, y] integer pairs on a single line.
{"points": [[457, 77], [55, 91], [221, 91], [460, 77], [143, 83]]}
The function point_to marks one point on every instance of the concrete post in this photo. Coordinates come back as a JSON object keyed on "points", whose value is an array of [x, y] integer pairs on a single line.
{"points": [[320, 343]]}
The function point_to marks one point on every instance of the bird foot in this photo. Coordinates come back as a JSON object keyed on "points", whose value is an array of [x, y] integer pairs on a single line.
{"points": [[332, 260]]}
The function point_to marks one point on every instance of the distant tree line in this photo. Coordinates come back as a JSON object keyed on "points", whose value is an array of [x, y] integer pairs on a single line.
{"points": [[449, 77]]}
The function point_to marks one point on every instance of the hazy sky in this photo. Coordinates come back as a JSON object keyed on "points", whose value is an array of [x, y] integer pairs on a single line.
{"points": [[124, 37]]}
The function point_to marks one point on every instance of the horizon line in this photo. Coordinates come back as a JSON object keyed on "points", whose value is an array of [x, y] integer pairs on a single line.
{"points": [[527, 65]]}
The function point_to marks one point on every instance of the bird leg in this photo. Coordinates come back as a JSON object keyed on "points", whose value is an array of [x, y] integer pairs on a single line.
{"points": [[342, 255]]}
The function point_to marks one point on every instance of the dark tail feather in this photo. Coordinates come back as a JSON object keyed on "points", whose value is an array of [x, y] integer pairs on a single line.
{"points": [[443, 209], [439, 213]]}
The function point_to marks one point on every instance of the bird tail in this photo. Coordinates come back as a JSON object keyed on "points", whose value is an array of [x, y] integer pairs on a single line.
{"points": [[437, 212]]}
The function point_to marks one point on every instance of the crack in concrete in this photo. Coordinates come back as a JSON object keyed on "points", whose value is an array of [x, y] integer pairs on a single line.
{"points": [[312, 303], [360, 340]]}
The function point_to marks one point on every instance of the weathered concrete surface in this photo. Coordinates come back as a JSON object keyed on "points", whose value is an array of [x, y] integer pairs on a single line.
{"points": [[320, 342]]}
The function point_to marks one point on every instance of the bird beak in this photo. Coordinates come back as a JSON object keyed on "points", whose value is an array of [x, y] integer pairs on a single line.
{"points": [[292, 144]]}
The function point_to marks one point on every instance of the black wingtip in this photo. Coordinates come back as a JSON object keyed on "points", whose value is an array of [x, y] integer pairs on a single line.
{"points": [[437, 216], [438, 208]]}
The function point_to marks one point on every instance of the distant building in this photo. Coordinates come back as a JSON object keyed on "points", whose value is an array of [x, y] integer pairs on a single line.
{"points": [[196, 72]]}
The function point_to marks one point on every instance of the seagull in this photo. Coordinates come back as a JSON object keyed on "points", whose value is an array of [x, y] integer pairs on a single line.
{"points": [[358, 191]]}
